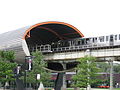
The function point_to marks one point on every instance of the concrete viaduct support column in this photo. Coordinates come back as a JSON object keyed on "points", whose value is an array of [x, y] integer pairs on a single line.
{"points": [[111, 73], [60, 83], [64, 77]]}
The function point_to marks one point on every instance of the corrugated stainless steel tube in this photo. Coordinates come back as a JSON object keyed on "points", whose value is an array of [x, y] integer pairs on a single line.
{"points": [[39, 34]]}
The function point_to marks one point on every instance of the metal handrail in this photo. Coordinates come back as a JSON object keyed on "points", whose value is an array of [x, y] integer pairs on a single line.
{"points": [[48, 48]]}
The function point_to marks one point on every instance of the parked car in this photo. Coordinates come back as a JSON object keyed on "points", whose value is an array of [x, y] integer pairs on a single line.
{"points": [[103, 86]]}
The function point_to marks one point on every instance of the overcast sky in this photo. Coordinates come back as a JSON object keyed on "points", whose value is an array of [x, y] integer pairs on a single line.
{"points": [[91, 17]]}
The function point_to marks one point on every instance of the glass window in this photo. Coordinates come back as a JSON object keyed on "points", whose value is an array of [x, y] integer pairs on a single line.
{"points": [[106, 38], [101, 39], [119, 36], [79, 42], [115, 37], [93, 40]]}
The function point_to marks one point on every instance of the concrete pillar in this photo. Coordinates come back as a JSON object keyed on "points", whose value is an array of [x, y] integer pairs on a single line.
{"points": [[64, 77], [59, 81], [111, 74]]}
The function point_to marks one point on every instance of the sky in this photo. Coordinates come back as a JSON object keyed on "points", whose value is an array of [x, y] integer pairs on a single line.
{"points": [[91, 17]]}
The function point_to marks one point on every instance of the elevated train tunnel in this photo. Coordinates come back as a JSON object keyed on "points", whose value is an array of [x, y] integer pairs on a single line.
{"points": [[48, 33], [22, 40]]}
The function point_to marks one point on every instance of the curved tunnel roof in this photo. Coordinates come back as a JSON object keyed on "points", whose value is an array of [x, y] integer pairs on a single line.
{"points": [[38, 34], [41, 32], [52, 31]]}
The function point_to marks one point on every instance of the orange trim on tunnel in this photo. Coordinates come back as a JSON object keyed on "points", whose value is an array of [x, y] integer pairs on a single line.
{"points": [[28, 35], [52, 22]]}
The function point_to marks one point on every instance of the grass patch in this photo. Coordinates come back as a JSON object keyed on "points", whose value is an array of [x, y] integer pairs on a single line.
{"points": [[94, 89], [117, 89], [97, 88]]}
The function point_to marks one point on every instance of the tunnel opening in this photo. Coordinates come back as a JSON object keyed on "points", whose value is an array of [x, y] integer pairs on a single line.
{"points": [[71, 65], [56, 66], [43, 36], [46, 36]]}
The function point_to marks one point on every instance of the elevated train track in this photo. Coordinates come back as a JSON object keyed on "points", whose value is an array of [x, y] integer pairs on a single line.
{"points": [[76, 52], [59, 42], [109, 47]]}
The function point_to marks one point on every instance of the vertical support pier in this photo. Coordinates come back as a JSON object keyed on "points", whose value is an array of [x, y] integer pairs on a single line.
{"points": [[60, 83], [64, 77], [111, 74]]}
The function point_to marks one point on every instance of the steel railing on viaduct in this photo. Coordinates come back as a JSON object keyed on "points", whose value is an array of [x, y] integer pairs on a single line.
{"points": [[75, 52]]}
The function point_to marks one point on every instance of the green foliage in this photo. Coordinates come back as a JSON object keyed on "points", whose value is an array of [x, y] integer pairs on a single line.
{"points": [[104, 66], [6, 71], [116, 68], [6, 66], [7, 56], [86, 72], [38, 62], [38, 68]]}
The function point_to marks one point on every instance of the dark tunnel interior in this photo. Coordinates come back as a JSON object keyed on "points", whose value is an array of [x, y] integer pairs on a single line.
{"points": [[48, 33], [58, 66]]}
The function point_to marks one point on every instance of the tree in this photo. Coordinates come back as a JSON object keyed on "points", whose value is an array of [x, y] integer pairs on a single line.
{"points": [[6, 71], [105, 66], [38, 68], [86, 72], [7, 56], [6, 66], [116, 68]]}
